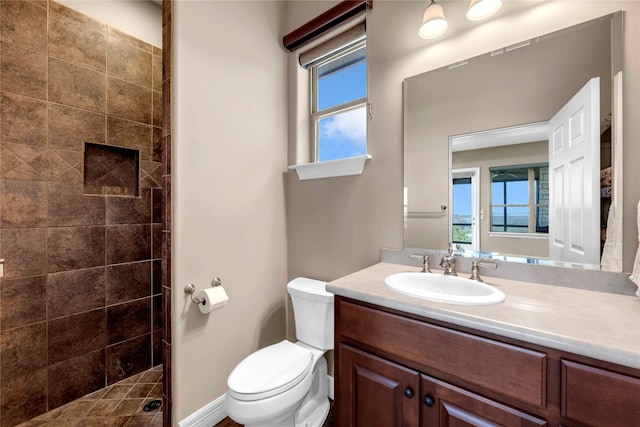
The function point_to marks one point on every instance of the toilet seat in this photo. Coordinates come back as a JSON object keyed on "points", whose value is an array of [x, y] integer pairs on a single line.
{"points": [[270, 371]]}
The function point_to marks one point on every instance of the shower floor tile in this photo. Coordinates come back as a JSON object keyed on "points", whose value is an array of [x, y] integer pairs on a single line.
{"points": [[119, 405]]}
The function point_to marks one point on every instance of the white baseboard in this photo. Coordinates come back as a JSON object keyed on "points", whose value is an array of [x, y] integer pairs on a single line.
{"points": [[207, 416], [214, 412]]}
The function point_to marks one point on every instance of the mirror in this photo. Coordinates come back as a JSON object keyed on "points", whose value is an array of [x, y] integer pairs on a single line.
{"points": [[484, 123]]}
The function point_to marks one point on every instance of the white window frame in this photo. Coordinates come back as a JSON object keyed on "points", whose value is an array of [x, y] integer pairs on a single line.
{"points": [[317, 115], [531, 204]]}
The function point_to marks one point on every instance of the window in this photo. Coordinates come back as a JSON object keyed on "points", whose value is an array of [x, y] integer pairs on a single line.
{"points": [[520, 199], [461, 211], [339, 100]]}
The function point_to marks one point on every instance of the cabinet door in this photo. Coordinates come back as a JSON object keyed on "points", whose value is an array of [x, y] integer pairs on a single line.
{"points": [[597, 397], [373, 392], [448, 406]]}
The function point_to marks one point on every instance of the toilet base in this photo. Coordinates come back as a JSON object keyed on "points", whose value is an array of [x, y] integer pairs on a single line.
{"points": [[314, 408]]}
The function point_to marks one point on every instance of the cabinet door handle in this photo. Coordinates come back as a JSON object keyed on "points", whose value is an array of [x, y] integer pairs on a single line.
{"points": [[408, 393], [429, 401]]}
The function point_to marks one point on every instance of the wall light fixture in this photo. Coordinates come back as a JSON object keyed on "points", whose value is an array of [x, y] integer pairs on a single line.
{"points": [[482, 9], [434, 23]]}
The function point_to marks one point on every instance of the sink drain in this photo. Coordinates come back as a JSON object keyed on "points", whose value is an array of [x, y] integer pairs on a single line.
{"points": [[152, 406]]}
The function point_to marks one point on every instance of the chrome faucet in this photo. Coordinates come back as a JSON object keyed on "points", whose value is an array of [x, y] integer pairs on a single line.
{"points": [[481, 262], [425, 262], [448, 262]]}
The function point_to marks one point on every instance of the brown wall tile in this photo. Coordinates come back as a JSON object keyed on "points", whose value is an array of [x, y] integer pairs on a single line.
{"points": [[23, 120], [72, 248], [158, 319], [128, 101], [156, 70], [50, 107], [157, 108], [126, 282], [156, 246], [23, 203], [76, 86], [156, 358], [128, 243], [86, 21], [70, 127], [25, 153], [24, 23], [128, 320], [23, 350], [18, 297], [23, 397], [75, 335], [156, 146], [68, 206], [156, 205], [128, 134], [75, 291], [23, 71], [128, 62], [128, 358], [24, 252], [156, 277], [77, 42], [49, 164], [129, 210], [74, 378]]}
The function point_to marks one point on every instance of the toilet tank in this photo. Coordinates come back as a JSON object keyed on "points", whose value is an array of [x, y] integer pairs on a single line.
{"points": [[313, 312]]}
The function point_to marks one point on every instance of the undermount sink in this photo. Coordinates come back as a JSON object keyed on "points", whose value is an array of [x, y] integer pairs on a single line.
{"points": [[442, 288]]}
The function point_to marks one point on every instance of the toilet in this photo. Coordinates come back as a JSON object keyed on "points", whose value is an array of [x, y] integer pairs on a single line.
{"points": [[285, 384]]}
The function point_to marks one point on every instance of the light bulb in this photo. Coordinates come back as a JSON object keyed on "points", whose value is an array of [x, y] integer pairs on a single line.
{"points": [[482, 9], [434, 23]]}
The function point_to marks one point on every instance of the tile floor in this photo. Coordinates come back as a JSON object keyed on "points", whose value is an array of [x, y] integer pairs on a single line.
{"points": [[119, 405]]}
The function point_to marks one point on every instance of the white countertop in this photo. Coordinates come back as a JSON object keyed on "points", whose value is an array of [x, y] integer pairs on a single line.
{"points": [[595, 324]]}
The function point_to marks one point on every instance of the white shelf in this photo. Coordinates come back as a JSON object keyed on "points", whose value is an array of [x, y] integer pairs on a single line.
{"points": [[331, 168]]}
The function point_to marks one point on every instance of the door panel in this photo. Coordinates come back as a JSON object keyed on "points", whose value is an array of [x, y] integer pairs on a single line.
{"points": [[574, 162], [445, 405], [377, 393]]}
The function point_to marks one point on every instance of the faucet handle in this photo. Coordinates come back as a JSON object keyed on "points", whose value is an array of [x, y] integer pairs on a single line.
{"points": [[484, 262], [476, 263], [425, 261]]}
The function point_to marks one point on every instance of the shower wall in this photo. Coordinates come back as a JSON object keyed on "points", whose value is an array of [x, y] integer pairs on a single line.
{"points": [[80, 207]]}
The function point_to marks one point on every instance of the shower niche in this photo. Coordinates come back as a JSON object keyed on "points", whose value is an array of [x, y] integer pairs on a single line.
{"points": [[111, 170]]}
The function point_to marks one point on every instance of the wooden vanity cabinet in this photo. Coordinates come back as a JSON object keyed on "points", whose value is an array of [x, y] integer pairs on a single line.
{"points": [[393, 369]]}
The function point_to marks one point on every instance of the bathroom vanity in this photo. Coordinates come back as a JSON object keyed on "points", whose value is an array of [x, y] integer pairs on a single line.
{"points": [[546, 356]]}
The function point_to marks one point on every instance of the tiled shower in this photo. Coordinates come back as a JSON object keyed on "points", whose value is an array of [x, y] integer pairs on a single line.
{"points": [[80, 207]]}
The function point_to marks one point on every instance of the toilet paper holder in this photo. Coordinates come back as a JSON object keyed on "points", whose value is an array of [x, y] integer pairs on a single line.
{"points": [[190, 289]]}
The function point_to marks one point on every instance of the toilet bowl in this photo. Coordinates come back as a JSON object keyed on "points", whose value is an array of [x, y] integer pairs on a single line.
{"points": [[285, 384]]}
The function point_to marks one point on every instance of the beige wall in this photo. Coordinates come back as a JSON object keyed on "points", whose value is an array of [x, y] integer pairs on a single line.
{"points": [[229, 158]]}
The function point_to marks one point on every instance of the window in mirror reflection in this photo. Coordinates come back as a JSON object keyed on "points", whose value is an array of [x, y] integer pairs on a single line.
{"points": [[520, 199], [461, 211], [339, 91]]}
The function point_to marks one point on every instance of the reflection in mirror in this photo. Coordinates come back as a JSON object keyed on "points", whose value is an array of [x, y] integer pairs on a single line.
{"points": [[477, 140]]}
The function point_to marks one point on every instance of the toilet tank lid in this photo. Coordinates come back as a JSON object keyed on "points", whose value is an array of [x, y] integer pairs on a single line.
{"points": [[310, 289]]}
